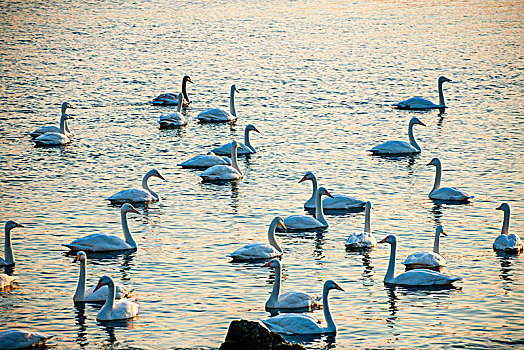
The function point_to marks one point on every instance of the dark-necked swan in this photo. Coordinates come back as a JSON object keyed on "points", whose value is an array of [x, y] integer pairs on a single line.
{"points": [[400, 147], [426, 260], [114, 309], [508, 242], [246, 147], [173, 120], [134, 195], [422, 103], [336, 202], [363, 240], [52, 128], [216, 115], [8, 248], [445, 193], [171, 99]]}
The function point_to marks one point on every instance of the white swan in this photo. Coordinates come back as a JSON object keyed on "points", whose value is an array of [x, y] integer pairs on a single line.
{"points": [[89, 296], [171, 99], [303, 323], [6, 280], [100, 242], [54, 138], [8, 248], [422, 103], [425, 260], [255, 251], [508, 242], [289, 300], [52, 128], [215, 115], [445, 193], [205, 161], [337, 202], [363, 240], [247, 148], [134, 195], [418, 277], [122, 309], [400, 147], [306, 222], [173, 120], [224, 172], [20, 339]]}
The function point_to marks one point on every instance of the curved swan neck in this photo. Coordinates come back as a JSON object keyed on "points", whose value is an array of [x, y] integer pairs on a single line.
{"points": [[8, 248], [327, 313], [63, 123], [234, 162], [232, 109], [146, 187], [436, 243], [367, 224], [271, 235], [110, 301], [127, 235], [247, 141], [440, 94], [275, 292], [505, 223], [81, 287], [438, 175], [184, 90], [319, 210], [390, 274], [411, 137]]}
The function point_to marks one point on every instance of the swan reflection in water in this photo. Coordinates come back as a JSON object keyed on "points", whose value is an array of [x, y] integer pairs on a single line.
{"points": [[110, 326], [367, 273], [506, 275], [80, 321], [313, 341]]}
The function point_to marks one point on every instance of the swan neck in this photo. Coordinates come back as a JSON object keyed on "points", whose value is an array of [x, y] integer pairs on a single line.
{"points": [[440, 95], [81, 287], [411, 137], [505, 223], [66, 126], [327, 313], [436, 243], [390, 274], [271, 236], [146, 187], [367, 224], [127, 234], [247, 141], [184, 92], [313, 198], [234, 162], [275, 292], [8, 248], [438, 174], [232, 109], [63, 123], [179, 106], [319, 210], [109, 305]]}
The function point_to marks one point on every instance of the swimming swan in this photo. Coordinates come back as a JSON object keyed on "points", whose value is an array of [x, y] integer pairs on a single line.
{"points": [[337, 202], [508, 242], [422, 103], [8, 248], [362, 240], [246, 147], [173, 120], [52, 128], [217, 115], [224, 172], [134, 195], [171, 99], [122, 309], [255, 251], [427, 260], [445, 193], [400, 147]]}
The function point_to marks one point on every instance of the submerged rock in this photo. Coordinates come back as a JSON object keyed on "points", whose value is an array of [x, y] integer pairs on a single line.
{"points": [[251, 335]]}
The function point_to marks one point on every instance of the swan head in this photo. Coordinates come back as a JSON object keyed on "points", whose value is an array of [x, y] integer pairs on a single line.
{"points": [[503, 207], [234, 88], [368, 206], [415, 120], [441, 231], [330, 284], [80, 256], [235, 145], [103, 281], [9, 225], [154, 172], [128, 208], [251, 127], [280, 222], [187, 78], [308, 176], [274, 263], [443, 80], [66, 105], [434, 161], [323, 192], [389, 239]]}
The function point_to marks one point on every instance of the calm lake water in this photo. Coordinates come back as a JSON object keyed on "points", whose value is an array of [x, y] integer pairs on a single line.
{"points": [[318, 80]]}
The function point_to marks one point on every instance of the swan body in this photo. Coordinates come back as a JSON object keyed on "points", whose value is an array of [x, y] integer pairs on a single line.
{"points": [[445, 193], [289, 300], [306, 222], [507, 242], [12, 339], [246, 147], [171, 99], [422, 103], [205, 161], [363, 240], [400, 147], [173, 120], [54, 138], [303, 323], [6, 280], [52, 128], [89, 295], [423, 260], [418, 277], [114, 309], [135, 195], [336, 202], [8, 248], [224, 172], [217, 115], [99, 242], [255, 251]]}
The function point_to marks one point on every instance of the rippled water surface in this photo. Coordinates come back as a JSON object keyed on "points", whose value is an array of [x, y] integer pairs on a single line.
{"points": [[318, 80]]}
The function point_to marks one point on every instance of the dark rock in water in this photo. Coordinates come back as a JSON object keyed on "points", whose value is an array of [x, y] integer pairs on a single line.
{"points": [[251, 335]]}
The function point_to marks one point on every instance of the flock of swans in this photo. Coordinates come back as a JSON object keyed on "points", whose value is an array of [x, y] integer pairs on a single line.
{"points": [[422, 268]]}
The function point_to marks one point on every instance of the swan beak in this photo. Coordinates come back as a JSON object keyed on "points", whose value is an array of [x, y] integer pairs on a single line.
{"points": [[77, 258], [383, 241], [97, 286], [239, 146], [19, 225], [281, 224], [69, 106], [134, 210], [255, 129], [236, 90], [421, 123], [338, 287], [430, 163], [444, 232], [267, 264], [328, 194], [189, 79], [303, 179], [161, 177], [499, 207], [448, 79], [69, 117]]}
